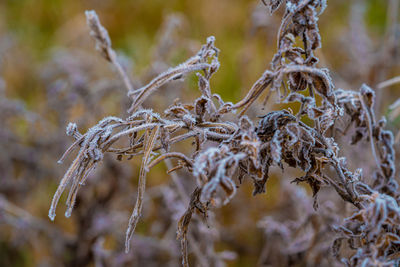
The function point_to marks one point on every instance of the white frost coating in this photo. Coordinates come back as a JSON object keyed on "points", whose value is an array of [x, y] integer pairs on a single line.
{"points": [[110, 119], [201, 164], [173, 72], [290, 6], [188, 119], [276, 149], [210, 39], [52, 216], [71, 128], [150, 113], [107, 133], [89, 154], [221, 177], [93, 21], [68, 213], [324, 5]]}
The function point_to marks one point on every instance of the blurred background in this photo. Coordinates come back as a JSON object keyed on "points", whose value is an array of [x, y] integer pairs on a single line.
{"points": [[51, 74]]}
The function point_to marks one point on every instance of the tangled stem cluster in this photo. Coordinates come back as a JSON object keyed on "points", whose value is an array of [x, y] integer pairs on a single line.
{"points": [[226, 150]]}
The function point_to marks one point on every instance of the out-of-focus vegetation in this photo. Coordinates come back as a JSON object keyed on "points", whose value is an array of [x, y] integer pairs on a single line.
{"points": [[50, 74], [40, 27]]}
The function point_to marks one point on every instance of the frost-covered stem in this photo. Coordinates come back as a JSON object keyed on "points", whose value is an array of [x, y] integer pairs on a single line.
{"points": [[191, 65], [259, 86], [75, 187], [309, 70], [336, 165], [103, 44], [117, 136], [230, 127], [213, 136], [70, 149], [150, 137], [352, 197], [123, 74], [63, 184], [174, 140]]}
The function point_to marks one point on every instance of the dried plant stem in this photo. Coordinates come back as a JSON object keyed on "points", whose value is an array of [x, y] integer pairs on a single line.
{"points": [[150, 138], [63, 184], [259, 86], [103, 44], [191, 65], [227, 150], [127, 132], [70, 149]]}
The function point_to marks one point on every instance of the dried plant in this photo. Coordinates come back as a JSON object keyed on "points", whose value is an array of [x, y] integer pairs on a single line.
{"points": [[229, 146]]}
